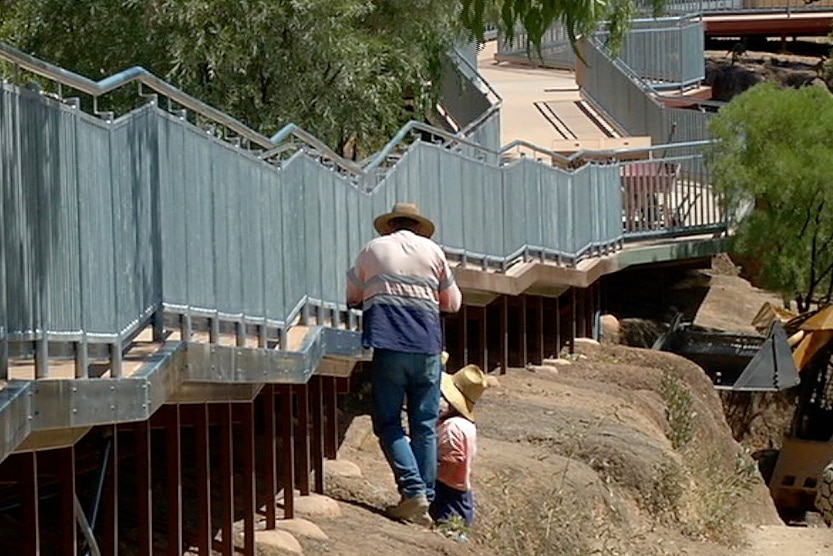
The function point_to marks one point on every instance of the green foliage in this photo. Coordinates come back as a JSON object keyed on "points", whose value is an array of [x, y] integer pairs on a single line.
{"points": [[774, 154], [536, 17], [342, 69]]}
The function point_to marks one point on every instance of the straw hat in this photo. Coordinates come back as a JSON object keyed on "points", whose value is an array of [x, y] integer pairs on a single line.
{"points": [[463, 389], [404, 210]]}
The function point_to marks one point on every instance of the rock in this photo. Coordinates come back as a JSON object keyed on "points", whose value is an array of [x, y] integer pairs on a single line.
{"points": [[302, 528], [275, 543], [492, 381], [586, 342], [610, 330], [557, 362], [316, 505], [544, 369], [341, 468]]}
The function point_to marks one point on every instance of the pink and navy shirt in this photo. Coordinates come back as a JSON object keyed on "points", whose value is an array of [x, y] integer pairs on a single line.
{"points": [[402, 282], [457, 446]]}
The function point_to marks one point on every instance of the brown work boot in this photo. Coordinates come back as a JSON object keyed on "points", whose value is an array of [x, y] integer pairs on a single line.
{"points": [[410, 509]]}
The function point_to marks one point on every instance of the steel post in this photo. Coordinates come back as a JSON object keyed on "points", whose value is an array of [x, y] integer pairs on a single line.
{"points": [[144, 489], [287, 451], [29, 495], [174, 485], [524, 331], [203, 473], [227, 482], [331, 414], [110, 512], [302, 446], [66, 482], [269, 447], [317, 437], [246, 416], [504, 334]]}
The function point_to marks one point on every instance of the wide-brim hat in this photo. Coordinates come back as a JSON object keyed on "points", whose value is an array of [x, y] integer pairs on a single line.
{"points": [[464, 388], [424, 226]]}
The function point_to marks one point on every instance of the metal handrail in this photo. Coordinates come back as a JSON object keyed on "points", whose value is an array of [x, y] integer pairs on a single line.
{"points": [[125, 77]]}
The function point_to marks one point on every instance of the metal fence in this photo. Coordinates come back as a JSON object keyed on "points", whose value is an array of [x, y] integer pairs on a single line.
{"points": [[667, 51], [472, 105], [105, 223], [615, 90], [556, 50]]}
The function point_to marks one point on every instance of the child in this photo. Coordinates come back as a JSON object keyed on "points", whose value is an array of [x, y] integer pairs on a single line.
{"points": [[457, 437]]}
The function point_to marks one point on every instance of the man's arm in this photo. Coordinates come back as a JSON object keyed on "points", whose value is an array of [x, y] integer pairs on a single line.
{"points": [[450, 296], [355, 287]]}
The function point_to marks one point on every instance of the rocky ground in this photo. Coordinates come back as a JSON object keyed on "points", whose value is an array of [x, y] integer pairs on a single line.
{"points": [[732, 67], [615, 450]]}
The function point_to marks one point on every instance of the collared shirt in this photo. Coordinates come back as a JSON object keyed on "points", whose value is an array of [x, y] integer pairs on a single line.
{"points": [[402, 281], [457, 446]]}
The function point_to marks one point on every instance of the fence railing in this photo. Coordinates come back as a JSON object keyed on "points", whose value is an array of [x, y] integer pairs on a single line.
{"points": [[113, 221], [632, 104], [667, 51], [711, 6]]}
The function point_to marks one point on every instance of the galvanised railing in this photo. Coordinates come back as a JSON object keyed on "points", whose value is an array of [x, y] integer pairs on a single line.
{"points": [[556, 50], [116, 220], [632, 104], [470, 102], [714, 6], [667, 51]]}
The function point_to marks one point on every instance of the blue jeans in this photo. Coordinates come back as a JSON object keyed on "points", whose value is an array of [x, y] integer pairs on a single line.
{"points": [[415, 377]]}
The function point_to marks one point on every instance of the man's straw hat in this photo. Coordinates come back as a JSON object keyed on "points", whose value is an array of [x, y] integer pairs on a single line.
{"points": [[404, 210], [463, 389]]}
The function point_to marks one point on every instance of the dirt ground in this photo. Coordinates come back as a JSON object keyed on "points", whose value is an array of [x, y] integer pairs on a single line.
{"points": [[581, 459], [619, 450]]}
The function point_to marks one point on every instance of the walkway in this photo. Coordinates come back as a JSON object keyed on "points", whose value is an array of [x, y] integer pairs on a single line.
{"points": [[544, 107]]}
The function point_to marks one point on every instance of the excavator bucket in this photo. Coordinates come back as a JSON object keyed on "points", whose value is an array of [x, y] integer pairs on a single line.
{"points": [[772, 368]]}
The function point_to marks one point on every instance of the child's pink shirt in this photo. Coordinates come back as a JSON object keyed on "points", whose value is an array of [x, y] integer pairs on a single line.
{"points": [[458, 444]]}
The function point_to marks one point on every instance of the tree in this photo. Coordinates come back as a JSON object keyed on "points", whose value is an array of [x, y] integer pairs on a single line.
{"points": [[773, 153], [342, 69], [535, 18]]}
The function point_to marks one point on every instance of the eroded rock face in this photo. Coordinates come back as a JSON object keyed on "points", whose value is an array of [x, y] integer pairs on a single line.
{"points": [[728, 81]]}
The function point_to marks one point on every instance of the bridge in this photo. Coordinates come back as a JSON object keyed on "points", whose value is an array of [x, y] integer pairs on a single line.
{"points": [[172, 279]]}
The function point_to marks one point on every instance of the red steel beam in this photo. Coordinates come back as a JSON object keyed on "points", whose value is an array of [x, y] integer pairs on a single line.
{"points": [[302, 446], [317, 451], [287, 451], [203, 473], [174, 456], [246, 416], [269, 448], [28, 482], [66, 480], [774, 25], [227, 470], [110, 509], [144, 489], [331, 414]]}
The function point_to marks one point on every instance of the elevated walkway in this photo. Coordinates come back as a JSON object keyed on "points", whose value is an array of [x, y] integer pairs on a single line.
{"points": [[544, 107], [776, 22]]}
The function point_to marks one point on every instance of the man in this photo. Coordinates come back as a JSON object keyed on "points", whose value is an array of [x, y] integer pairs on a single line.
{"points": [[402, 282]]}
